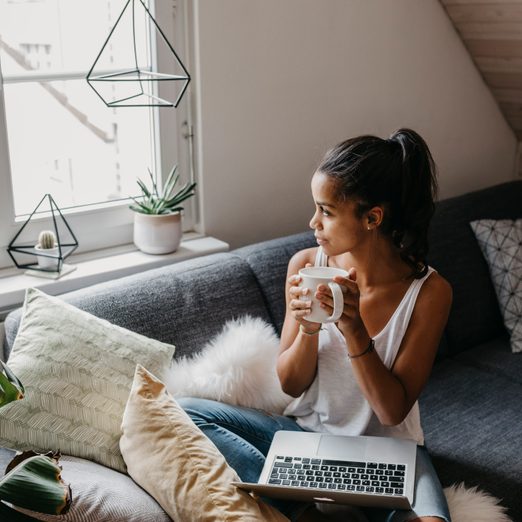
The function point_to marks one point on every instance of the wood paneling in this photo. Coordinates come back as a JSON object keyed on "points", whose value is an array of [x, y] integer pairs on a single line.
{"points": [[479, 2], [495, 30], [516, 123], [511, 109], [495, 48], [491, 30], [505, 65], [504, 80], [500, 12], [507, 95]]}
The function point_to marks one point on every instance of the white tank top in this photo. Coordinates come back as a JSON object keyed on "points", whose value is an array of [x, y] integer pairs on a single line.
{"points": [[334, 402]]}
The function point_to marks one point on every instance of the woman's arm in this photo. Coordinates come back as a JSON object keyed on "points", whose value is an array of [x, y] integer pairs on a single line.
{"points": [[392, 393], [297, 361]]}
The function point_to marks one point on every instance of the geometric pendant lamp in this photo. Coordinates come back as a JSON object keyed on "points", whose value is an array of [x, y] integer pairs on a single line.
{"points": [[124, 73]]}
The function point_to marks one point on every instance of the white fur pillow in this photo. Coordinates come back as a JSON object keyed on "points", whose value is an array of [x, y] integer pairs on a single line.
{"points": [[236, 367], [474, 505]]}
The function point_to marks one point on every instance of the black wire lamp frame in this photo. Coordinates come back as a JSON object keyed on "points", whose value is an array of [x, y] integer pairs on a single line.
{"points": [[138, 75], [64, 249]]}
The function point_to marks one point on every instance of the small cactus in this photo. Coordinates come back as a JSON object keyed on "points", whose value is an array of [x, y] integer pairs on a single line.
{"points": [[47, 239]]}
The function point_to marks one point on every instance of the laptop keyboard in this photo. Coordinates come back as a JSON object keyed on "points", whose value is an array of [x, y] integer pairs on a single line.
{"points": [[360, 477]]}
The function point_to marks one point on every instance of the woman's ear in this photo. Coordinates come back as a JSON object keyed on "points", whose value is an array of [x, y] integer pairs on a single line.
{"points": [[375, 216]]}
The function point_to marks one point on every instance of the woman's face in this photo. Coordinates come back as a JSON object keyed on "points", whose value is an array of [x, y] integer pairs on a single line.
{"points": [[337, 226]]}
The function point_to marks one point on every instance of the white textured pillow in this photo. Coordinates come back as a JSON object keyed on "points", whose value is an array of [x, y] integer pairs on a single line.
{"points": [[233, 368], [501, 243], [102, 494], [77, 371]]}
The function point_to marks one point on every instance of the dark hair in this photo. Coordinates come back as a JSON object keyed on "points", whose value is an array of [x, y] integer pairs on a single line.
{"points": [[398, 173]]}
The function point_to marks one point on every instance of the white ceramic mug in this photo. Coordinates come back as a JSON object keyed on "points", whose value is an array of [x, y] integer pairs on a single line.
{"points": [[311, 278]]}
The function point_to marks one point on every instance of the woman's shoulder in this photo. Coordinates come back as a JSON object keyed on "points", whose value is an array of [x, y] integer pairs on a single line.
{"points": [[302, 258], [436, 289]]}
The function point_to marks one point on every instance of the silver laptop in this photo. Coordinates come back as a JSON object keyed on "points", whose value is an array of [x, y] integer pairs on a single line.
{"points": [[316, 467]]}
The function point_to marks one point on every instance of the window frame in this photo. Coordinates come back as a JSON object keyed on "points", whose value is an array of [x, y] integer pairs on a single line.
{"points": [[173, 145]]}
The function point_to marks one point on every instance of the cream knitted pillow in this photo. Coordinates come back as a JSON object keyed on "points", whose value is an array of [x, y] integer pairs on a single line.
{"points": [[77, 371]]}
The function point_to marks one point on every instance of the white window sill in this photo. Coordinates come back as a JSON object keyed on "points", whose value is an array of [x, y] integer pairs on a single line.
{"points": [[97, 267]]}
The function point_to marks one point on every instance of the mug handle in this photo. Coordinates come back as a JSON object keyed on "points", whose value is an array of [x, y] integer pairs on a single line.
{"points": [[338, 299]]}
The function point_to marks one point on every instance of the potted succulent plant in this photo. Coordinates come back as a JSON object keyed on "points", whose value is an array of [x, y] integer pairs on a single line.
{"points": [[47, 246], [32, 481], [157, 215]]}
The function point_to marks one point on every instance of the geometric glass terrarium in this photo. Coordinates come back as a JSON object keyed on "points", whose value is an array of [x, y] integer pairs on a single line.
{"points": [[27, 253], [124, 73]]}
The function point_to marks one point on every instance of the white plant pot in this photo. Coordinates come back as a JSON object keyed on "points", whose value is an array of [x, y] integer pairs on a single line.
{"points": [[48, 263], [157, 234]]}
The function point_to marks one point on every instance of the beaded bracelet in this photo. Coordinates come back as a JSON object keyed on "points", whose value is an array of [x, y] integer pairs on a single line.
{"points": [[371, 346], [302, 329]]}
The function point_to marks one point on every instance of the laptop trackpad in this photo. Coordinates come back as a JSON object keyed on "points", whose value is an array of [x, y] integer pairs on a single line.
{"points": [[349, 448]]}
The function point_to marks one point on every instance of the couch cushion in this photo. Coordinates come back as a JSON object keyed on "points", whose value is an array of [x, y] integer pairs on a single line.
{"points": [[496, 358], [269, 261], [472, 426], [454, 252], [184, 304]]}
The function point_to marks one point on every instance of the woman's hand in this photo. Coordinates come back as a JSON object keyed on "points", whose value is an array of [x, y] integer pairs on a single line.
{"points": [[300, 303], [298, 355], [350, 323]]}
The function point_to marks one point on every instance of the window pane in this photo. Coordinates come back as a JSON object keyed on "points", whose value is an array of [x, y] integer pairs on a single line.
{"points": [[56, 35], [64, 141]]}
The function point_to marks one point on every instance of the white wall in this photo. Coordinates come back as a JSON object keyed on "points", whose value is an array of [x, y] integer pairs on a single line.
{"points": [[278, 82]]}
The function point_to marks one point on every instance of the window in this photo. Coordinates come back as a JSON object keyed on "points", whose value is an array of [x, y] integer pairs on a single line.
{"points": [[58, 137]]}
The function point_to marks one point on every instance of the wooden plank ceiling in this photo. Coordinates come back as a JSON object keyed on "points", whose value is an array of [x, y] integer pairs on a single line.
{"points": [[492, 32]]}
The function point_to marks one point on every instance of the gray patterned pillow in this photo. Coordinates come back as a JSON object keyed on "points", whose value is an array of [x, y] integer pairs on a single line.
{"points": [[501, 243]]}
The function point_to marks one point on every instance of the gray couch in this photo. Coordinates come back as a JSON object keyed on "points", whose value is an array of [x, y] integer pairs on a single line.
{"points": [[471, 406]]}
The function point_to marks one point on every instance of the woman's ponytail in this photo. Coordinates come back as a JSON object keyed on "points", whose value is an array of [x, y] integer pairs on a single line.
{"points": [[418, 192]]}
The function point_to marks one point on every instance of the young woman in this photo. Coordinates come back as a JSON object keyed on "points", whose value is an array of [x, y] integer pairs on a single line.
{"points": [[364, 374], [374, 199]]}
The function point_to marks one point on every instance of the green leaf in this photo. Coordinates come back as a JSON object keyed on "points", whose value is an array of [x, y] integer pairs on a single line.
{"points": [[36, 484], [157, 206], [168, 202], [144, 189], [140, 206], [185, 193], [154, 186], [171, 182], [9, 514], [188, 187], [11, 389]]}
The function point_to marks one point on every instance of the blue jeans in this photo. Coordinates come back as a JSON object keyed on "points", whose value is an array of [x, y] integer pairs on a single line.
{"points": [[244, 435]]}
